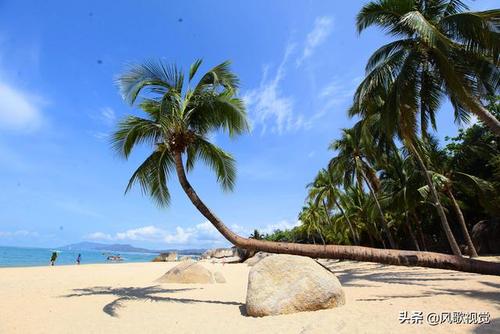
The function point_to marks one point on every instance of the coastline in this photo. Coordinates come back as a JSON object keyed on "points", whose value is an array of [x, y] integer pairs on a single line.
{"points": [[115, 298], [16, 257]]}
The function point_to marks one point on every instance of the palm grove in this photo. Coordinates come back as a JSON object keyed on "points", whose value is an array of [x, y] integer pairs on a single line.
{"points": [[389, 186]]}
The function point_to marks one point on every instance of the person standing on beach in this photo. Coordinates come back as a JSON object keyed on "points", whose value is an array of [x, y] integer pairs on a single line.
{"points": [[78, 258], [53, 258]]}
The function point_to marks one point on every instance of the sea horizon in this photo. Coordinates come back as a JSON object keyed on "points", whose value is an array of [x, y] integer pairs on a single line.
{"points": [[18, 256]]}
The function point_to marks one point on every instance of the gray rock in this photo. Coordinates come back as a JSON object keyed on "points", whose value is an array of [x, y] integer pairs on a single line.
{"points": [[282, 284], [486, 236], [227, 255], [188, 272], [256, 258], [229, 259], [166, 257]]}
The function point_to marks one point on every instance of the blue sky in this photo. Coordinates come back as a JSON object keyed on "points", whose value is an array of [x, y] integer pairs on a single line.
{"points": [[60, 182]]}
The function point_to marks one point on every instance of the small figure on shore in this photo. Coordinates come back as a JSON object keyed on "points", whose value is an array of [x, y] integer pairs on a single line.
{"points": [[53, 258], [78, 258]]}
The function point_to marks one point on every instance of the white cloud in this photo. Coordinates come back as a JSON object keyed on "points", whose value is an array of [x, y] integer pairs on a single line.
{"points": [[200, 235], [141, 233], [336, 94], [267, 104], [99, 236], [280, 225], [100, 135], [18, 110], [322, 29], [18, 233], [108, 116]]}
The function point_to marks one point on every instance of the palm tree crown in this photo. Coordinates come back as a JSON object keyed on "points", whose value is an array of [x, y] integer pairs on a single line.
{"points": [[179, 119], [441, 50]]}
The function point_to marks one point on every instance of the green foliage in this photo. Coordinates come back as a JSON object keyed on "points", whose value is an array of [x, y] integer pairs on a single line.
{"points": [[338, 198], [178, 119], [441, 50]]}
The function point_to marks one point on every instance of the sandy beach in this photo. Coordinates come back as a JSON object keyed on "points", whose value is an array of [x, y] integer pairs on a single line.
{"points": [[124, 298]]}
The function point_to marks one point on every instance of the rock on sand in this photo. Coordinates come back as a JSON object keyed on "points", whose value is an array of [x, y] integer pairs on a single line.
{"points": [[188, 272], [282, 284]]}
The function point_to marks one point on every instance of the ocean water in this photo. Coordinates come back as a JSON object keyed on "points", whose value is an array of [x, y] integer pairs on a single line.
{"points": [[27, 257]]}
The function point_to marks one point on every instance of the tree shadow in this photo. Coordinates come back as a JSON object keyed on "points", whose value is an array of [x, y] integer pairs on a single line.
{"points": [[493, 297], [148, 293], [491, 328], [382, 273]]}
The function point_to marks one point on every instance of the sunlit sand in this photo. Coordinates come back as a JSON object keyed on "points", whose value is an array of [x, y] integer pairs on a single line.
{"points": [[118, 298]]}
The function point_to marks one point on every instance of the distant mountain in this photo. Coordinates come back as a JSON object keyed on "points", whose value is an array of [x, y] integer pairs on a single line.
{"points": [[125, 248], [106, 247]]}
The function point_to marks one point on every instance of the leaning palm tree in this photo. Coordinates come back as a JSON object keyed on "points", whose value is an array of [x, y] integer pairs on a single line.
{"points": [[442, 50], [178, 123]]}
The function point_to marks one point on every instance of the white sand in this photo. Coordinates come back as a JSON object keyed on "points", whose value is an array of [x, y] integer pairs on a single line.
{"points": [[123, 298]]}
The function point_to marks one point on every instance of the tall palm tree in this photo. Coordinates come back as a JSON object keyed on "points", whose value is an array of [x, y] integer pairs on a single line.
{"points": [[178, 122], [385, 115], [352, 159], [400, 185], [325, 190], [442, 50], [312, 217]]}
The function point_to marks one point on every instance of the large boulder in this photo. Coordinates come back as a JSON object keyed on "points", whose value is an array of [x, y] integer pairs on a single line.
{"points": [[252, 261], [188, 272], [166, 257], [282, 284], [486, 236]]}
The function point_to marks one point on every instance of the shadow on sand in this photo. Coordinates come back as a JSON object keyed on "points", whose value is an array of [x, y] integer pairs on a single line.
{"points": [[370, 275], [148, 293]]}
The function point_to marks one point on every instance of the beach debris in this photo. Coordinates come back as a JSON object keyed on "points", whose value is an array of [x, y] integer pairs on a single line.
{"points": [[283, 284], [114, 258], [219, 277], [188, 272], [256, 258], [166, 257]]}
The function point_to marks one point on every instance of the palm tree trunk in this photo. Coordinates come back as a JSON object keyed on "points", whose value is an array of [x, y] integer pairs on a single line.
{"points": [[357, 253], [444, 222], [351, 227], [420, 231], [384, 222], [327, 221], [463, 226], [487, 118], [412, 235]]}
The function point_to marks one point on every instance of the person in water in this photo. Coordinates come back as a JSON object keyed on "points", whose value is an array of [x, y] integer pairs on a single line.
{"points": [[53, 258], [78, 258]]}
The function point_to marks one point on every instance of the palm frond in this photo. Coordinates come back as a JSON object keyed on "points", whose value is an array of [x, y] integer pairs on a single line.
{"points": [[152, 176], [133, 131], [478, 32], [194, 68], [219, 76], [221, 162], [217, 111], [385, 14], [157, 76]]}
